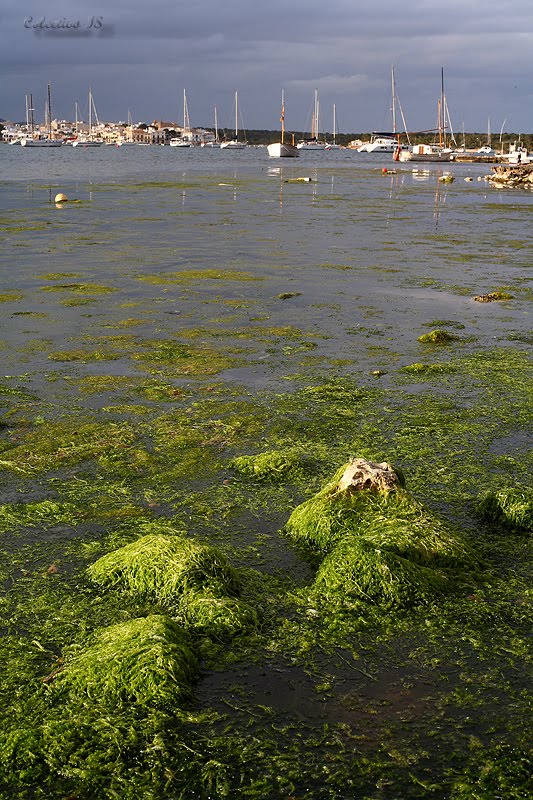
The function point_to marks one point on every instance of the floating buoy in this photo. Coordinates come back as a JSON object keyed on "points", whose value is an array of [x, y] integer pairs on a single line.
{"points": [[60, 198], [469, 179]]}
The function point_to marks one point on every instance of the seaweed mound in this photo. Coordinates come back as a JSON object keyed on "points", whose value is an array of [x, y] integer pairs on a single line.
{"points": [[274, 466], [510, 507], [376, 542], [145, 661], [163, 568], [436, 337]]}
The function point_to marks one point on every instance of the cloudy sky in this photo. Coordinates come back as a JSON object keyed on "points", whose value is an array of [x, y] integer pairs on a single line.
{"points": [[144, 54]]}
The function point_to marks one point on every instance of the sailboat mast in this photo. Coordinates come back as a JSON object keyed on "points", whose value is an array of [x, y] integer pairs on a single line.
{"points": [[49, 111], [90, 112], [334, 124], [216, 125], [236, 114], [442, 119], [393, 88], [31, 110], [282, 118]]}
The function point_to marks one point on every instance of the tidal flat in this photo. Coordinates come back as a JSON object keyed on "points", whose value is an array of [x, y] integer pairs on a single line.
{"points": [[190, 354]]}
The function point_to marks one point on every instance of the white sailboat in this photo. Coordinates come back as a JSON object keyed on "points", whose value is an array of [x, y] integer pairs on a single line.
{"points": [[333, 145], [313, 143], [185, 139], [435, 151], [234, 144], [44, 142], [282, 149], [90, 140]]}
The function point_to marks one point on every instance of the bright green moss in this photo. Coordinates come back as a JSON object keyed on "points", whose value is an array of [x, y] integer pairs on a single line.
{"points": [[510, 507], [275, 466]]}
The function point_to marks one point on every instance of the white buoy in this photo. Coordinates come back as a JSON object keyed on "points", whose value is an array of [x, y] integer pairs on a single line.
{"points": [[60, 198]]}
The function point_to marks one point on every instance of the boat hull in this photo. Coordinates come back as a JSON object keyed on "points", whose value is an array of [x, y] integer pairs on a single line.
{"points": [[40, 143], [282, 150]]}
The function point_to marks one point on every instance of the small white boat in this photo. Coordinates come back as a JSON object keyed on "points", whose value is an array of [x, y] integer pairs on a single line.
{"points": [[87, 143], [180, 143], [425, 152], [40, 143], [379, 143], [282, 149]]}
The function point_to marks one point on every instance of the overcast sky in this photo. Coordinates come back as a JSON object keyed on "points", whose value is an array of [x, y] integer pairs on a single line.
{"points": [[146, 53]]}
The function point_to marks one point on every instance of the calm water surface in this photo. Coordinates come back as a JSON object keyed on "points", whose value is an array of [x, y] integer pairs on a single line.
{"points": [[373, 259]]}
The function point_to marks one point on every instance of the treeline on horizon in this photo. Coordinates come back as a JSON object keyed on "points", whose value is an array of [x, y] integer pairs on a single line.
{"points": [[468, 140]]}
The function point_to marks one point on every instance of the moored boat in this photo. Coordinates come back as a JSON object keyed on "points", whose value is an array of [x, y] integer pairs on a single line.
{"points": [[282, 149]]}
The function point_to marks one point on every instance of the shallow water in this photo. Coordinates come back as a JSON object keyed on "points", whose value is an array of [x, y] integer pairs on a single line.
{"points": [[375, 258]]}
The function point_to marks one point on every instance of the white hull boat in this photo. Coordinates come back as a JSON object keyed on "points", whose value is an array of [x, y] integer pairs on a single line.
{"points": [[282, 150], [40, 143]]}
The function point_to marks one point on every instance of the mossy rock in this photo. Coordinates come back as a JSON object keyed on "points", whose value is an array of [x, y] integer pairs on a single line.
{"points": [[163, 568], [144, 661], [436, 337], [275, 466], [357, 570], [510, 507], [217, 617], [380, 546], [328, 516]]}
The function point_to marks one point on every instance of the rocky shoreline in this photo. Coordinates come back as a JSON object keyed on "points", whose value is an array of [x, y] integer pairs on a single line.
{"points": [[512, 176]]}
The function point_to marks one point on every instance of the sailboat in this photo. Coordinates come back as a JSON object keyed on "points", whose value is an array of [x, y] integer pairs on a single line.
{"points": [[90, 140], [436, 151], [185, 139], [333, 145], [48, 141], [313, 143], [384, 141], [234, 144], [216, 142], [282, 149]]}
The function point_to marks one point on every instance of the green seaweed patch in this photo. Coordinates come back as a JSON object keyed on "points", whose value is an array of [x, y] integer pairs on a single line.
{"points": [[79, 288], [274, 466], [10, 297], [163, 568], [287, 295], [145, 661], [444, 323], [84, 356], [437, 336], [512, 507], [56, 444], [58, 276], [216, 616], [97, 384], [429, 369], [193, 275], [44, 514], [496, 770], [178, 358]]}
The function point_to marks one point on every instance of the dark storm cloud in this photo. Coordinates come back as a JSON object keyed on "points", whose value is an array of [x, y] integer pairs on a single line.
{"points": [[147, 53]]}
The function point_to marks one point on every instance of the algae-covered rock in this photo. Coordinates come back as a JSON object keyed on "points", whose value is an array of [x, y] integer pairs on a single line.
{"points": [[217, 616], [436, 337], [274, 466], [144, 661], [340, 509], [511, 507], [357, 570], [491, 297], [377, 542], [163, 568]]}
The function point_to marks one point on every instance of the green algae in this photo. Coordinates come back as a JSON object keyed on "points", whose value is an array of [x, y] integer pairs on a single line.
{"points": [[186, 277], [164, 568], [436, 336], [80, 288], [145, 661], [10, 297], [275, 466], [512, 507]]}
